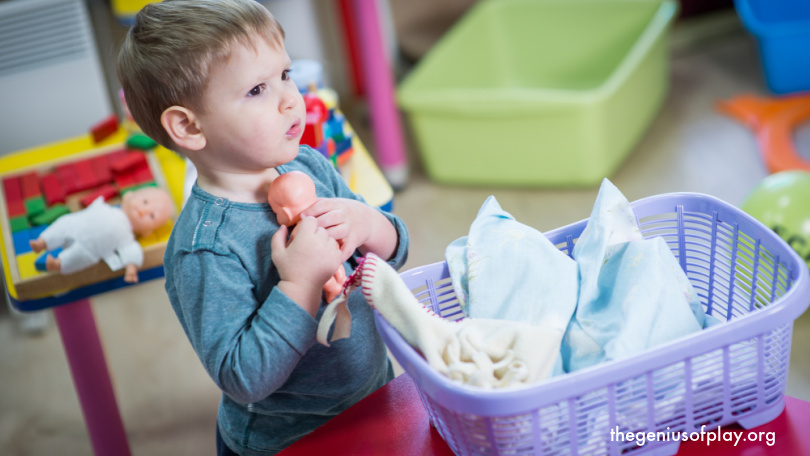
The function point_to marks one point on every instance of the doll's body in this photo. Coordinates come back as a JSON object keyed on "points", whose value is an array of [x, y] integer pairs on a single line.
{"points": [[105, 232], [289, 195]]}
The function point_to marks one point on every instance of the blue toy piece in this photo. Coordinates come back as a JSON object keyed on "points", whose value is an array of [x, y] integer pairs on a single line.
{"points": [[39, 264], [21, 241]]}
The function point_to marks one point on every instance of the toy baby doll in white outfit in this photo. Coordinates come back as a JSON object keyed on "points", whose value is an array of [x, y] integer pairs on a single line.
{"points": [[106, 232]]}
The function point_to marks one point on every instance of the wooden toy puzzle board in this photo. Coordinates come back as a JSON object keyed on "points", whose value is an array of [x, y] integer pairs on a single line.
{"points": [[29, 193]]}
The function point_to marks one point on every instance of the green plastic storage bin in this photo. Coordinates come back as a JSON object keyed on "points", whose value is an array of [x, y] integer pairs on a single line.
{"points": [[539, 92]]}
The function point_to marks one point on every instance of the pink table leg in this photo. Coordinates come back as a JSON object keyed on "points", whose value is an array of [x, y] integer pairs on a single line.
{"points": [[389, 146], [77, 326]]}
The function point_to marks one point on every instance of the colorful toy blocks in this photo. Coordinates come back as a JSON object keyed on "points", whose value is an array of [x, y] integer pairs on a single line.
{"points": [[105, 128], [143, 175], [107, 191], [34, 206], [140, 141], [21, 241], [19, 223], [129, 161], [29, 184], [40, 263], [49, 215], [67, 177], [52, 189], [101, 168], [14, 199], [85, 177], [312, 135]]}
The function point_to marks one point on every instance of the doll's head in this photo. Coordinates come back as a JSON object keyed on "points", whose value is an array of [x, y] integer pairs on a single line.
{"points": [[147, 209], [289, 195]]}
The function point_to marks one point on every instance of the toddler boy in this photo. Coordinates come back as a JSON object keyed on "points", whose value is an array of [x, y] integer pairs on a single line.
{"points": [[210, 80]]}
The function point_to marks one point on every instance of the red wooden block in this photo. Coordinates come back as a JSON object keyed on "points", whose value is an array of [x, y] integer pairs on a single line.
{"points": [[105, 128], [12, 189], [128, 162], [52, 189], [101, 168], [85, 178], [107, 191], [112, 156], [313, 134], [124, 181], [67, 177], [30, 185], [16, 209], [143, 175]]}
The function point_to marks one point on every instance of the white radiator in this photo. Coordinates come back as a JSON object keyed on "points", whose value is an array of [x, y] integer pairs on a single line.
{"points": [[51, 83]]}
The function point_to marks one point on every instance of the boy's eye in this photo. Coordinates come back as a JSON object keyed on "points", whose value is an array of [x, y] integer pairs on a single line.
{"points": [[256, 90], [285, 75]]}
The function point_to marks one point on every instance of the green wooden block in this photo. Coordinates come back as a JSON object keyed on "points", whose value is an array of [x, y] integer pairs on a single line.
{"points": [[34, 206], [140, 141], [51, 214], [19, 223]]}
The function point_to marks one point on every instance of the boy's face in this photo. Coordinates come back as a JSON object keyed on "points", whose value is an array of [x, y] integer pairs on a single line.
{"points": [[254, 115]]}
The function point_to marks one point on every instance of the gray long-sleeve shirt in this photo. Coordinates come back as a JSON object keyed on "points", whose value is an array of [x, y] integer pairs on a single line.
{"points": [[258, 345]]}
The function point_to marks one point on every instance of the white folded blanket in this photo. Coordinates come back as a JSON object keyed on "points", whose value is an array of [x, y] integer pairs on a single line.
{"points": [[483, 352]]}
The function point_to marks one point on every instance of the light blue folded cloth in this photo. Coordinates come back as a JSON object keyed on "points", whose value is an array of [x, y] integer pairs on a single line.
{"points": [[633, 295], [509, 271], [619, 295]]}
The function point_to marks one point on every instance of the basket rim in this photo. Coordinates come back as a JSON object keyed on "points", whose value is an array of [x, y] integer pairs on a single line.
{"points": [[469, 399]]}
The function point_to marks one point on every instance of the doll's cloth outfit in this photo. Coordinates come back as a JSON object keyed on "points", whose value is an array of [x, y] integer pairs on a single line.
{"points": [[256, 344], [98, 232]]}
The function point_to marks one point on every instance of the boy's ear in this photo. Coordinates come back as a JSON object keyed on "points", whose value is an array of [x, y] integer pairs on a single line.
{"points": [[183, 127]]}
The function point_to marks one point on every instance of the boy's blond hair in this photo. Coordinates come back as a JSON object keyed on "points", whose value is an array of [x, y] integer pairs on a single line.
{"points": [[168, 53]]}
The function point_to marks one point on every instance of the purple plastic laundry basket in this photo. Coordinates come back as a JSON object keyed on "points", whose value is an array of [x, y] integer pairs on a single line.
{"points": [[733, 372]]}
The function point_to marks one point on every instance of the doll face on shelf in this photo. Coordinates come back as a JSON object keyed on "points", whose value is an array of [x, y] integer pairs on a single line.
{"points": [[147, 209]]}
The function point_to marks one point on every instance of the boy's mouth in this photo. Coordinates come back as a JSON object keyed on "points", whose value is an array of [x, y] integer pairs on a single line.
{"points": [[295, 130]]}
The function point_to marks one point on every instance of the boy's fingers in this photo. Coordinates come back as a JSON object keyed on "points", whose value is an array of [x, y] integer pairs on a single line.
{"points": [[320, 207], [279, 240], [346, 250]]}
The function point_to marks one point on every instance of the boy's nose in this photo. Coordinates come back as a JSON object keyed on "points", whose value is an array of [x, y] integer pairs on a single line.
{"points": [[289, 99]]}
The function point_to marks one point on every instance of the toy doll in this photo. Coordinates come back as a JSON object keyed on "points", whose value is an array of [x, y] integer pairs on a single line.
{"points": [[105, 232], [289, 195]]}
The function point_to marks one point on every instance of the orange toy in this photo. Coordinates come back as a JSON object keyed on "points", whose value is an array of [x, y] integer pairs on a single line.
{"points": [[773, 121], [289, 195]]}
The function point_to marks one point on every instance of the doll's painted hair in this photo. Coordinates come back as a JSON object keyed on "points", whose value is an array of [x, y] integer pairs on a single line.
{"points": [[167, 55]]}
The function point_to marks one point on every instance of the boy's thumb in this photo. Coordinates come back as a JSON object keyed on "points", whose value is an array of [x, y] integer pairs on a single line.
{"points": [[279, 240]]}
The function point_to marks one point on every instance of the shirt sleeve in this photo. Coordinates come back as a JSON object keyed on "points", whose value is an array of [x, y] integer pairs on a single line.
{"points": [[335, 181], [249, 348]]}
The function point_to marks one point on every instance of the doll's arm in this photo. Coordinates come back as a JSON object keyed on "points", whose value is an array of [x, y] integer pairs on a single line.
{"points": [[131, 256]]}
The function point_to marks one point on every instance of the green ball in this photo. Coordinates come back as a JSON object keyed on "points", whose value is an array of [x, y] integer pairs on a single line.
{"points": [[782, 202]]}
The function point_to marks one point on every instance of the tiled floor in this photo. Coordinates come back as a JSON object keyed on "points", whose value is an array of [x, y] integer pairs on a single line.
{"points": [[169, 404]]}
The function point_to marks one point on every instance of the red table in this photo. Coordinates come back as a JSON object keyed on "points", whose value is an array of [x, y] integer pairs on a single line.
{"points": [[392, 420]]}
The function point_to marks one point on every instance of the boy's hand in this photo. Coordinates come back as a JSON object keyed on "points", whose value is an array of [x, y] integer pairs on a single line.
{"points": [[306, 262], [346, 220]]}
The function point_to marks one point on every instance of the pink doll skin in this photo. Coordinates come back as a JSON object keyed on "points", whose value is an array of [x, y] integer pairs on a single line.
{"points": [[146, 209], [289, 195]]}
